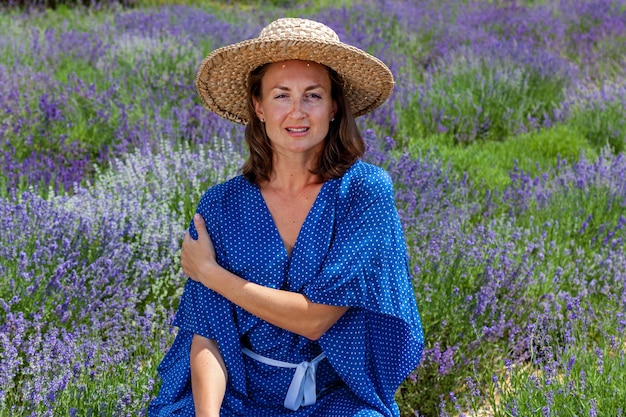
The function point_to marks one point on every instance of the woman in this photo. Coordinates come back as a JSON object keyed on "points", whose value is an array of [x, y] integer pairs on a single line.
{"points": [[300, 301]]}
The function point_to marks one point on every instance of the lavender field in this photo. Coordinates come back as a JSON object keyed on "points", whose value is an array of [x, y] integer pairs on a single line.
{"points": [[505, 137]]}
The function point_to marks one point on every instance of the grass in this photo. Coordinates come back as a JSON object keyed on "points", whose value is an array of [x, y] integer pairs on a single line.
{"points": [[586, 383], [490, 163]]}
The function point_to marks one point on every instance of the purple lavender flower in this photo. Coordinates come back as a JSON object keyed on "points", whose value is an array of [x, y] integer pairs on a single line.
{"points": [[593, 411], [600, 360]]}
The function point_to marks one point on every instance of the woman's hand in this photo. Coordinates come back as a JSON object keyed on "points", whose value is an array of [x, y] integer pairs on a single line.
{"points": [[197, 255]]}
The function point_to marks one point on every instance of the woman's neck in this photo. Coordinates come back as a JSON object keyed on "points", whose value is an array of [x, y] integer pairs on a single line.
{"points": [[292, 176]]}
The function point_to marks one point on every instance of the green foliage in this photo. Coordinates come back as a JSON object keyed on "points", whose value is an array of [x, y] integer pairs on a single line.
{"points": [[62, 6], [582, 217], [474, 98], [449, 321], [591, 381], [490, 163], [602, 122], [232, 8], [76, 18]]}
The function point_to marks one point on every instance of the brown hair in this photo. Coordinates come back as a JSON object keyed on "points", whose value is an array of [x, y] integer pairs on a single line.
{"points": [[342, 147]]}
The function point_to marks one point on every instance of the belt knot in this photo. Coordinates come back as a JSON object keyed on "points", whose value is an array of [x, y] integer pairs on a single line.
{"points": [[302, 390]]}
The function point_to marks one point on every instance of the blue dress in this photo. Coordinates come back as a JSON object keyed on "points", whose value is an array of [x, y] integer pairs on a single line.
{"points": [[350, 252]]}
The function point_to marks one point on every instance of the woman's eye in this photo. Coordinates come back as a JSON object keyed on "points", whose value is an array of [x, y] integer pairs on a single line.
{"points": [[280, 96], [313, 96]]}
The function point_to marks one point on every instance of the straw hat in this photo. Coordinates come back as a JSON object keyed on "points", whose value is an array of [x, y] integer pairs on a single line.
{"points": [[223, 75]]}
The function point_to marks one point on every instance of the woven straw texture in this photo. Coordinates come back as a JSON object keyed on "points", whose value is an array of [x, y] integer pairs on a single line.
{"points": [[222, 76]]}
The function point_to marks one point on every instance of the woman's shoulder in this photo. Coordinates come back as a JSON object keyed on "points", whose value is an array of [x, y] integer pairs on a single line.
{"points": [[363, 177], [222, 192], [233, 185]]}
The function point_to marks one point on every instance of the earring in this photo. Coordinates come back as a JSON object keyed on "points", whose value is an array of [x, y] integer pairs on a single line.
{"points": [[262, 120], [332, 120]]}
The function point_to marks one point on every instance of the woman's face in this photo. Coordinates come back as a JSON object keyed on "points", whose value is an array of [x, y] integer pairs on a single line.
{"points": [[297, 107]]}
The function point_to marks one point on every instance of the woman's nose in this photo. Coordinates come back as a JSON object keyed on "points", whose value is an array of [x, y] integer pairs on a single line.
{"points": [[297, 107]]}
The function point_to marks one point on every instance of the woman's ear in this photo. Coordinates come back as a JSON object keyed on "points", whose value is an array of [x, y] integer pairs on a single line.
{"points": [[258, 109], [333, 111]]}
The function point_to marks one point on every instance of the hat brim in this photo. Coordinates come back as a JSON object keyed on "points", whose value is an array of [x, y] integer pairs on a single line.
{"points": [[222, 76]]}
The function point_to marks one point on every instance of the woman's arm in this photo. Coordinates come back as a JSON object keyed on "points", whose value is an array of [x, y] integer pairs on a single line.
{"points": [[288, 310], [208, 376]]}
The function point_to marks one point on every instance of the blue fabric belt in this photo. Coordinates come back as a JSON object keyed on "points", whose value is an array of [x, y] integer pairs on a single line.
{"points": [[302, 390]]}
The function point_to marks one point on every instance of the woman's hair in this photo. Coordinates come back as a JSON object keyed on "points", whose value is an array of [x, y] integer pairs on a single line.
{"points": [[343, 144]]}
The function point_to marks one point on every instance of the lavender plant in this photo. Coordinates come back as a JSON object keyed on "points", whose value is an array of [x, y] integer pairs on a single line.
{"points": [[599, 113], [504, 91], [509, 286], [594, 32], [469, 93], [85, 95]]}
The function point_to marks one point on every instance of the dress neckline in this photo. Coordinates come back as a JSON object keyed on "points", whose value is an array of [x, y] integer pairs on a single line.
{"points": [[276, 232]]}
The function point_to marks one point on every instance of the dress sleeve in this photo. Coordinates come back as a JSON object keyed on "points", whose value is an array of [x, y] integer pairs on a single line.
{"points": [[204, 312], [367, 263], [379, 341], [197, 300]]}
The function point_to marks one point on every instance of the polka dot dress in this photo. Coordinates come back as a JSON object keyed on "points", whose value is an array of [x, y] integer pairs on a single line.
{"points": [[350, 252]]}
